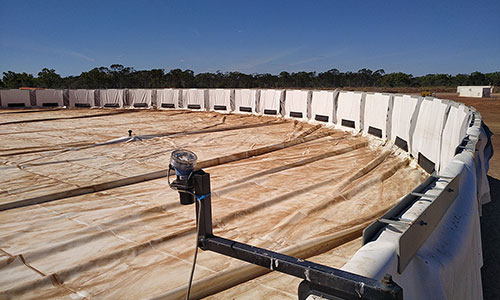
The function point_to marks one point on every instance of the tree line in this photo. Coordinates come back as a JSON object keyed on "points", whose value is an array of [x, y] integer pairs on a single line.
{"points": [[119, 76]]}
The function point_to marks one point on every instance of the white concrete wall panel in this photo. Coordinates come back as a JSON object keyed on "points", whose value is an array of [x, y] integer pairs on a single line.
{"points": [[219, 99], [15, 97], [296, 102], [167, 98], [140, 97], [193, 98], [428, 130], [323, 105], [376, 113], [270, 102], [349, 109], [49, 97], [245, 100], [402, 112], [81, 98], [454, 131], [112, 98]]}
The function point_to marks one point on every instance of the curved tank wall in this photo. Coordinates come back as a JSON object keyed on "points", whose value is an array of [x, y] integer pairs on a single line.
{"points": [[430, 241]]}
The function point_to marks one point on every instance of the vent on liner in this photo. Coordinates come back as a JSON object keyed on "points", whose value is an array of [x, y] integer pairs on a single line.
{"points": [[348, 123], [401, 143], [16, 105], [140, 105], [50, 104], [321, 118], [245, 109], [111, 105], [167, 105], [270, 112], [194, 106], [220, 107], [425, 163], [375, 131], [295, 114], [82, 104]]}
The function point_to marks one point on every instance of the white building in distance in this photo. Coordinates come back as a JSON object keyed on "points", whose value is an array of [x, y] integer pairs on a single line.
{"points": [[474, 91]]}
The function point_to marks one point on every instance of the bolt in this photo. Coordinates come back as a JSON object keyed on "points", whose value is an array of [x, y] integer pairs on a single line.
{"points": [[387, 280], [130, 132]]}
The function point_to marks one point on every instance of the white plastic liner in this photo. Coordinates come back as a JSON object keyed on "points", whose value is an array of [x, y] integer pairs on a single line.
{"points": [[349, 109], [81, 98], [143, 222], [454, 131], [377, 108], [270, 102], [323, 105], [112, 98], [140, 97], [402, 112], [482, 161], [429, 129], [167, 98], [245, 100], [448, 265], [220, 99], [14, 97], [193, 99], [49, 97], [296, 103]]}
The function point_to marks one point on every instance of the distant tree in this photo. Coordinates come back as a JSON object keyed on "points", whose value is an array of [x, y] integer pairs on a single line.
{"points": [[493, 78], [137, 79], [180, 79], [238, 80], [71, 82], [396, 79], [95, 79], [157, 78], [363, 78], [330, 78], [119, 76], [285, 79], [265, 80], [461, 79], [303, 79], [14, 80], [48, 78], [205, 80], [435, 80], [477, 78]]}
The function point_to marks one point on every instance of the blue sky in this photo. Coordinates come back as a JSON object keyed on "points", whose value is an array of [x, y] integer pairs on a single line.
{"points": [[418, 37]]}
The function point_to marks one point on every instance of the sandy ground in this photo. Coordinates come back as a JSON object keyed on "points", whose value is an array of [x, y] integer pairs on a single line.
{"points": [[490, 221]]}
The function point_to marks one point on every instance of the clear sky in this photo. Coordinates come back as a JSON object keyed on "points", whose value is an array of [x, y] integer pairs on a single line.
{"points": [[418, 37]]}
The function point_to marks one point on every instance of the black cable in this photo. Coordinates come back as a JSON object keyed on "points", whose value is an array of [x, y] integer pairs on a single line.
{"points": [[198, 205]]}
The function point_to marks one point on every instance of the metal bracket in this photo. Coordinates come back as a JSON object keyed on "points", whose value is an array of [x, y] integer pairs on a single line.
{"points": [[415, 233], [373, 229], [422, 227]]}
